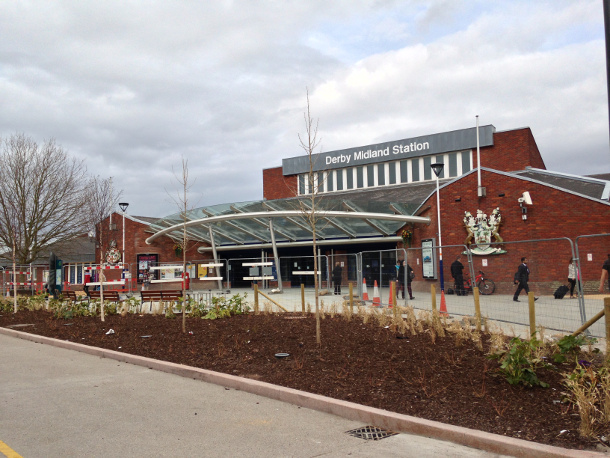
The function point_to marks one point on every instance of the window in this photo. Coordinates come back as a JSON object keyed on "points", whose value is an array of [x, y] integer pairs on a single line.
{"points": [[350, 178], [360, 177], [339, 180], [392, 167], [329, 181], [404, 171], [415, 169], [381, 174], [301, 184], [427, 169], [320, 184], [465, 162], [370, 175], [453, 165]]}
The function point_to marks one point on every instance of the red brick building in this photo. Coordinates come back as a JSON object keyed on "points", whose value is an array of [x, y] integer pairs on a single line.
{"points": [[551, 211]]}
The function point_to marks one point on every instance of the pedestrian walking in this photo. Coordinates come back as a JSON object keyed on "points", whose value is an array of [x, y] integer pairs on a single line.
{"points": [[572, 276], [400, 279], [605, 275], [457, 272], [522, 278], [410, 277], [337, 277]]}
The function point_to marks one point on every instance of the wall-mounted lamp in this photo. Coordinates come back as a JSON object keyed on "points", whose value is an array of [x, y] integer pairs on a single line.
{"points": [[527, 200]]}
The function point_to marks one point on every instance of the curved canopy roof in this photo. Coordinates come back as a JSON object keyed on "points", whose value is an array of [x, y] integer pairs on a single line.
{"points": [[247, 224]]}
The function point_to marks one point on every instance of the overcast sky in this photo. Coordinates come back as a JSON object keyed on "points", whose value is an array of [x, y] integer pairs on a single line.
{"points": [[133, 86]]}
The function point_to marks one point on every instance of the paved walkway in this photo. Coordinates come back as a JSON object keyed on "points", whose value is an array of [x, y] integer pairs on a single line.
{"points": [[57, 402]]}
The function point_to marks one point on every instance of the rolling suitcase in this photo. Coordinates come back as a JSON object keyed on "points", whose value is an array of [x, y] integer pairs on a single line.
{"points": [[561, 291]]}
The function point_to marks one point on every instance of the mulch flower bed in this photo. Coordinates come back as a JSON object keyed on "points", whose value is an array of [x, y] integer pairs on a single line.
{"points": [[446, 381]]}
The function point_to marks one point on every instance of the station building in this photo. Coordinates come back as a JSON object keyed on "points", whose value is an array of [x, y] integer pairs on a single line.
{"points": [[506, 207]]}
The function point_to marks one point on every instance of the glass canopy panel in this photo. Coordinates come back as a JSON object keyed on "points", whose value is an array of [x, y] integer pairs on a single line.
{"points": [[286, 229]]}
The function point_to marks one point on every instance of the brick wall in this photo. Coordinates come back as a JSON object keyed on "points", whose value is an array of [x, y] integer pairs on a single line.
{"points": [[135, 243], [554, 214], [512, 150], [277, 186]]}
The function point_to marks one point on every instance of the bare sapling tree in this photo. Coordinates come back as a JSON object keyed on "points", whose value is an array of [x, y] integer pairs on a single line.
{"points": [[181, 199], [101, 202], [47, 189], [309, 144]]}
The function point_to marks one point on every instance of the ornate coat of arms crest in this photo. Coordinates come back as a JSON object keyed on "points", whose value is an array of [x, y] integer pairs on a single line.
{"points": [[113, 255], [482, 229]]}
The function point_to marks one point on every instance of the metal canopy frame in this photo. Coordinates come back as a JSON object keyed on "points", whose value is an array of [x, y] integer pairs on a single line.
{"points": [[263, 236], [264, 225]]}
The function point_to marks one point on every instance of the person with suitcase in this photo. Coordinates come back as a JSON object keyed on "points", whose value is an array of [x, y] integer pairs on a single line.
{"points": [[572, 277]]}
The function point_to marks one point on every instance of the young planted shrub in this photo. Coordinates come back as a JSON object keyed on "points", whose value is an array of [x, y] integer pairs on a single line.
{"points": [[520, 362]]}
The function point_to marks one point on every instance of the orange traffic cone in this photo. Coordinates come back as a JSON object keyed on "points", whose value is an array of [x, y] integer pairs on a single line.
{"points": [[443, 310], [376, 297], [391, 295], [365, 294]]}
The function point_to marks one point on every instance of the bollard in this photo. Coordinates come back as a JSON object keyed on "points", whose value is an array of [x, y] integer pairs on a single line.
{"points": [[477, 307], [394, 298], [351, 298], [255, 299], [303, 298], [433, 297], [532, 307], [607, 313]]}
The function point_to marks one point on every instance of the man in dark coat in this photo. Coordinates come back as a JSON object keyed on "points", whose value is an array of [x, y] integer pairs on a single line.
{"points": [[457, 273], [410, 277], [400, 279], [523, 276], [337, 277]]}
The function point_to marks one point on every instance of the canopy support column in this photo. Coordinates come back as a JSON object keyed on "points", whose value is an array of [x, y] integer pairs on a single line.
{"points": [[275, 256], [215, 253]]}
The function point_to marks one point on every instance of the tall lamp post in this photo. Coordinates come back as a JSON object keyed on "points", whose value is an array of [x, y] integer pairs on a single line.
{"points": [[438, 169], [123, 206]]}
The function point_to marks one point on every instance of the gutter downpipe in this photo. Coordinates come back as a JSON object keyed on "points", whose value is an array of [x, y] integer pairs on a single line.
{"points": [[478, 160]]}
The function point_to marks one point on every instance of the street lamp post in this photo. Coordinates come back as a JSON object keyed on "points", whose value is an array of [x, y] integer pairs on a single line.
{"points": [[438, 169], [123, 206]]}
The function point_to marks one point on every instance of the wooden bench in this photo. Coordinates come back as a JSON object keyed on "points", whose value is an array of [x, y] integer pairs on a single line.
{"points": [[171, 294], [70, 296], [110, 295], [160, 296], [150, 296]]}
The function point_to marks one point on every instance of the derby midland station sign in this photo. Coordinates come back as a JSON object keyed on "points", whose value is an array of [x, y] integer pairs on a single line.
{"points": [[358, 156], [457, 140]]}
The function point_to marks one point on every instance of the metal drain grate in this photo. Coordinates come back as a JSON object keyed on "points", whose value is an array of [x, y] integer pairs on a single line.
{"points": [[371, 433]]}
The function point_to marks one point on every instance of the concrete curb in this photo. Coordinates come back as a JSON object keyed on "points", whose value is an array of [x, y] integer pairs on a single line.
{"points": [[489, 442]]}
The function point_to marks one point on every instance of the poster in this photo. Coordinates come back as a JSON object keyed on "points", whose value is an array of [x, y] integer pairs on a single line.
{"points": [[428, 258], [145, 262], [202, 271]]}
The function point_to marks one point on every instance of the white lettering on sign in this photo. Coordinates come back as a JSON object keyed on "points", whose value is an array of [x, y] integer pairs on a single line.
{"points": [[344, 158], [411, 147], [377, 153], [370, 154]]}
